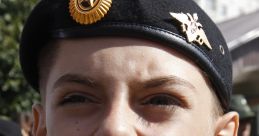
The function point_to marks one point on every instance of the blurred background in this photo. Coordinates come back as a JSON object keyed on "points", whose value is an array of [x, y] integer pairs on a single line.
{"points": [[16, 97], [237, 19]]}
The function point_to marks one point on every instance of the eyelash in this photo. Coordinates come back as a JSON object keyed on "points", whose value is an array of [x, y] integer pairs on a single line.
{"points": [[77, 99], [162, 100]]}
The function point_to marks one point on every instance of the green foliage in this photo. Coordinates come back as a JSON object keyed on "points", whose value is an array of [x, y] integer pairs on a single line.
{"points": [[15, 94]]}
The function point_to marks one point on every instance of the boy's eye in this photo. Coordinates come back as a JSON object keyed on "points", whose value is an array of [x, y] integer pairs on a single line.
{"points": [[162, 100], [77, 99]]}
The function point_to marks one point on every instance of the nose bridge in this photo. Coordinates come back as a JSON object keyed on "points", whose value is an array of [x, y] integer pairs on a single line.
{"points": [[118, 119]]}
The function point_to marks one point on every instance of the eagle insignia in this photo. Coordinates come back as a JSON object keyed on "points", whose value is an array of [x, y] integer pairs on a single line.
{"points": [[192, 28]]}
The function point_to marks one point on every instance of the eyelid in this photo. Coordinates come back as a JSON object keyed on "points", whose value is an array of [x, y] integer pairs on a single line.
{"points": [[161, 96], [87, 96], [181, 100]]}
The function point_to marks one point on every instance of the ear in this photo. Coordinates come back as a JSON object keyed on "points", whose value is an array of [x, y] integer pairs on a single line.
{"points": [[227, 125], [39, 122]]}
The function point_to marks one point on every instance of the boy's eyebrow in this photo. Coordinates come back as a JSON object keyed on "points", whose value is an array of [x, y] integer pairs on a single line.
{"points": [[166, 80], [75, 78], [151, 83]]}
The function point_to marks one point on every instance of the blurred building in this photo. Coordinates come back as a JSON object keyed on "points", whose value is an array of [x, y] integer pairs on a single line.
{"points": [[242, 36], [221, 10]]}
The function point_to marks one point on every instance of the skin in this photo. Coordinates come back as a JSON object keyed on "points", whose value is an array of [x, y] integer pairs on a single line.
{"points": [[126, 87]]}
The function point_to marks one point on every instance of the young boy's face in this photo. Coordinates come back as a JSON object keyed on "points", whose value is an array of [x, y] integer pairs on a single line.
{"points": [[126, 87]]}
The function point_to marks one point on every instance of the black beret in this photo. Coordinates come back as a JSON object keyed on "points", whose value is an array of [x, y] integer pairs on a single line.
{"points": [[179, 24]]}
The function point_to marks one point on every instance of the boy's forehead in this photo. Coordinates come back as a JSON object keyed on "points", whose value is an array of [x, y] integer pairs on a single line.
{"points": [[136, 48], [180, 25], [134, 60]]}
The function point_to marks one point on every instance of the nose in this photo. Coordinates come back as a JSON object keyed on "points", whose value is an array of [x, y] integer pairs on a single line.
{"points": [[118, 121]]}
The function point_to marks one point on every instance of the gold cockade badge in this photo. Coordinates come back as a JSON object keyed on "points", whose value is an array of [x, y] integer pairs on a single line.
{"points": [[192, 28], [89, 11]]}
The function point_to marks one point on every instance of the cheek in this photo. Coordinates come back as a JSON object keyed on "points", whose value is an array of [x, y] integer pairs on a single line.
{"points": [[203, 115], [70, 121], [185, 123], [71, 124]]}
